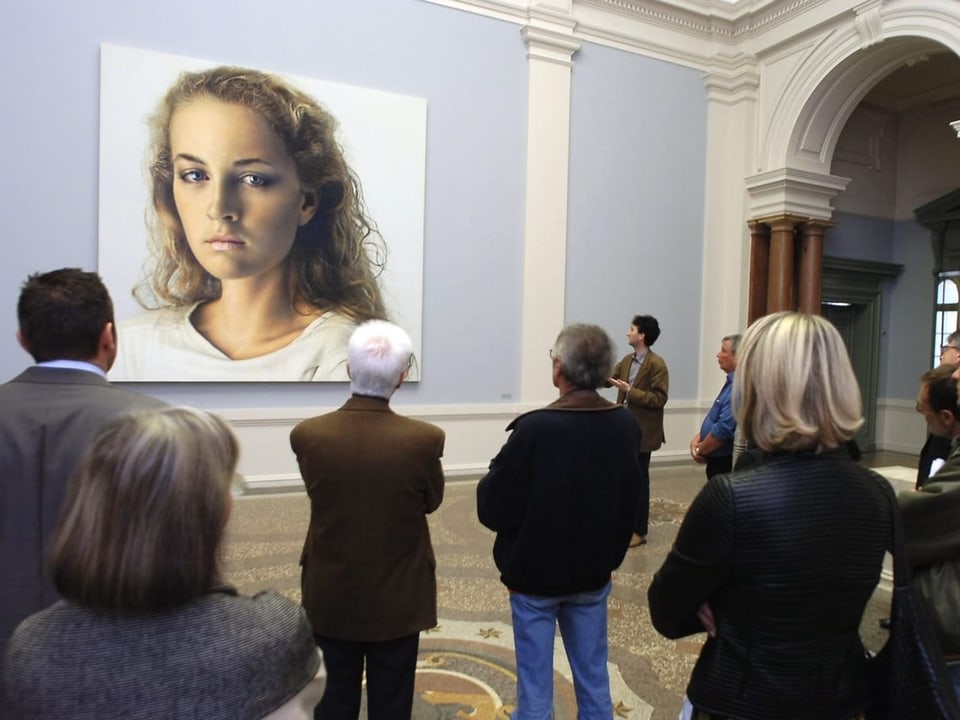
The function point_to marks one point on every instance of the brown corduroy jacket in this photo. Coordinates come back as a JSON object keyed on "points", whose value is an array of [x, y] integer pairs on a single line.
{"points": [[647, 396], [368, 568]]}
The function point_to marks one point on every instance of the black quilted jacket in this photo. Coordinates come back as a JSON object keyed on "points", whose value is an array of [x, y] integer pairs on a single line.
{"points": [[787, 555]]}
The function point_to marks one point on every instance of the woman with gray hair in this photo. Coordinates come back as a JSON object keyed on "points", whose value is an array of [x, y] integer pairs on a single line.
{"points": [[146, 627], [777, 562]]}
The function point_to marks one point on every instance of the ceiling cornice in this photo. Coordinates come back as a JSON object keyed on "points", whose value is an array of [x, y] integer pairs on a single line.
{"points": [[710, 19], [707, 19]]}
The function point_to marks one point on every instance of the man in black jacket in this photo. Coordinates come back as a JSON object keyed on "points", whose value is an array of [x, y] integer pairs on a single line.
{"points": [[930, 517], [937, 447], [561, 496]]}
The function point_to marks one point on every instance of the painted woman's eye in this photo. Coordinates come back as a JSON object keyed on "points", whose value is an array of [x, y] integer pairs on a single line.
{"points": [[254, 180], [193, 176]]}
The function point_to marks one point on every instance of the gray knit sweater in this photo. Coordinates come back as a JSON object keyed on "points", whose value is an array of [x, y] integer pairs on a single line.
{"points": [[221, 656]]}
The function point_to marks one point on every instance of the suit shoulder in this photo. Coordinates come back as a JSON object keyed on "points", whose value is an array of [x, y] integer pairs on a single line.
{"points": [[312, 424], [422, 427], [135, 400], [656, 359]]}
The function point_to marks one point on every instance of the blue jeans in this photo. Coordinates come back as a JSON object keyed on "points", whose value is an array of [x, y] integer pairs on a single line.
{"points": [[583, 626]]}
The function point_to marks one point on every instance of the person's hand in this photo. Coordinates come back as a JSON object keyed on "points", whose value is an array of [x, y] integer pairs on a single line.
{"points": [[705, 615], [697, 457], [620, 384]]}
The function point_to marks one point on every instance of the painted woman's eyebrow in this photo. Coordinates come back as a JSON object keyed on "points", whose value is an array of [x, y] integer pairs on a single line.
{"points": [[189, 158], [242, 162]]}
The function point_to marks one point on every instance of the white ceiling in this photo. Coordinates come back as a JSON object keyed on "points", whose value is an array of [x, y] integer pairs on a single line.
{"points": [[933, 80]]}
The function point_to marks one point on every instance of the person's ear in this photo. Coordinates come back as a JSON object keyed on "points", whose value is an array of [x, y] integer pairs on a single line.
{"points": [[403, 376], [108, 339], [107, 347], [22, 341], [308, 208], [348, 370]]}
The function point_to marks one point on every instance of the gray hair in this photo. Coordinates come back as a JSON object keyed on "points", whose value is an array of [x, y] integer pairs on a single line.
{"points": [[379, 352], [144, 517], [734, 342], [586, 355]]}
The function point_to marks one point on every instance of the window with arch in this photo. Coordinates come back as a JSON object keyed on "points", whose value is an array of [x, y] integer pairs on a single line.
{"points": [[948, 298]]}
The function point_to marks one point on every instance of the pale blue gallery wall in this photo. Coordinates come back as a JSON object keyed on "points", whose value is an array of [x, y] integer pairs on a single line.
{"points": [[637, 179], [907, 303], [471, 70], [859, 237], [909, 342]]}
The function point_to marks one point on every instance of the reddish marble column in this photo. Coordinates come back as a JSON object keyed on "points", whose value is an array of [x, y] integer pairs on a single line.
{"points": [[759, 267], [780, 284], [810, 279]]}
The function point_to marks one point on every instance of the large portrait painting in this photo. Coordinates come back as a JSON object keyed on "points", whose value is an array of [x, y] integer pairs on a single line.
{"points": [[249, 220]]}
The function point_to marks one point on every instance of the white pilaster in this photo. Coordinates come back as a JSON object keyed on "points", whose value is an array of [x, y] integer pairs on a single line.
{"points": [[731, 94], [550, 48]]}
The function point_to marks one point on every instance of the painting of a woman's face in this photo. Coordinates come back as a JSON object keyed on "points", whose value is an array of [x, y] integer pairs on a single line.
{"points": [[236, 189]]}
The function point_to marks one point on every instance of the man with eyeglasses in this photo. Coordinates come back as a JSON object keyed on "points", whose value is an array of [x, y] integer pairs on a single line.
{"points": [[931, 517], [937, 448], [561, 495]]}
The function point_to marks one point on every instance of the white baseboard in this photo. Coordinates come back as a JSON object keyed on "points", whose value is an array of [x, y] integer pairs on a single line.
{"points": [[475, 434]]}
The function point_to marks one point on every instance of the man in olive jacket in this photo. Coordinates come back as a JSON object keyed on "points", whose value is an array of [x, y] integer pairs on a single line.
{"points": [[368, 570], [642, 383]]}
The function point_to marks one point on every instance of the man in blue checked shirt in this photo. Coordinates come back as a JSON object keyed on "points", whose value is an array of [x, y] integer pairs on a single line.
{"points": [[713, 445]]}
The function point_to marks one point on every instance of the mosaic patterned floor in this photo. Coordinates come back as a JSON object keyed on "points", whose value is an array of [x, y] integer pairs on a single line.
{"points": [[466, 667]]}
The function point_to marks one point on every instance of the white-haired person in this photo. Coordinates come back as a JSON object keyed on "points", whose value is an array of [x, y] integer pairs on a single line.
{"points": [[369, 574], [777, 562], [147, 628]]}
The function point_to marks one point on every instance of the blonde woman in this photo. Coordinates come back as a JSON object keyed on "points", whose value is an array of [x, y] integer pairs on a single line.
{"points": [[777, 562]]}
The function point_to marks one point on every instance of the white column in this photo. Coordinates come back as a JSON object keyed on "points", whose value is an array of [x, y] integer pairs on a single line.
{"points": [[731, 93], [550, 48]]}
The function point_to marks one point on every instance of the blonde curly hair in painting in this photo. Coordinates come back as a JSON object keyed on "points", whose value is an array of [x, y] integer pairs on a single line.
{"points": [[336, 257], [794, 387]]}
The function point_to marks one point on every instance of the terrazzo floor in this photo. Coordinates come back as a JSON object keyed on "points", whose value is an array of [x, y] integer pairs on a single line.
{"points": [[466, 665]]}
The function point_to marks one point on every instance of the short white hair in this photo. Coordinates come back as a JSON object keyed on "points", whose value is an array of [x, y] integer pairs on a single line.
{"points": [[379, 352]]}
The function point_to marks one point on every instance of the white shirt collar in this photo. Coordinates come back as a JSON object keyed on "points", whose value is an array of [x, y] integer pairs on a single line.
{"points": [[74, 365]]}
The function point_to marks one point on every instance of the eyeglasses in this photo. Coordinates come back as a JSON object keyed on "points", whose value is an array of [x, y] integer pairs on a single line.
{"points": [[553, 356], [944, 348]]}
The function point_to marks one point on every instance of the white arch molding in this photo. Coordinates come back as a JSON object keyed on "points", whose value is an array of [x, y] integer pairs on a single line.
{"points": [[796, 149]]}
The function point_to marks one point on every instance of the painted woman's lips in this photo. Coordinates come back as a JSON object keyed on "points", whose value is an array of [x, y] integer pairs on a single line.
{"points": [[226, 242]]}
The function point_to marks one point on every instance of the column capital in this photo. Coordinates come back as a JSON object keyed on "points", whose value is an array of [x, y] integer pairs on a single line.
{"points": [[817, 225], [780, 222], [549, 35], [789, 191], [549, 45]]}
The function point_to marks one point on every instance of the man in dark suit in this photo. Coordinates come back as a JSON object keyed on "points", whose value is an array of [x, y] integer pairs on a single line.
{"points": [[368, 570], [49, 414], [642, 382]]}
